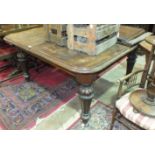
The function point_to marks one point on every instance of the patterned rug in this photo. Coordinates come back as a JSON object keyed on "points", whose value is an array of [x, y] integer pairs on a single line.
{"points": [[22, 103], [49, 101], [101, 116]]}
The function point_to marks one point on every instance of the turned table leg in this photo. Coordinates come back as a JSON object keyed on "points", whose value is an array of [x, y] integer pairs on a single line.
{"points": [[131, 60], [21, 57], [86, 94]]}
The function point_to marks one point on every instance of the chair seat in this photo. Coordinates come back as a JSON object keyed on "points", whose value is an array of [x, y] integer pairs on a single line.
{"points": [[127, 110]]}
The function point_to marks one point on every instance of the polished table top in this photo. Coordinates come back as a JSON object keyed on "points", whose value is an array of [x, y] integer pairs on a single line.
{"points": [[129, 33], [34, 42]]}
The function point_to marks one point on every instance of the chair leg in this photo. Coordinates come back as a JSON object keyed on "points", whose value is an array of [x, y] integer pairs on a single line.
{"points": [[113, 118]]}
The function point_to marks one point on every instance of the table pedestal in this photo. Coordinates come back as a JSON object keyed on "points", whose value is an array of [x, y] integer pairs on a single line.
{"points": [[141, 103], [144, 100]]}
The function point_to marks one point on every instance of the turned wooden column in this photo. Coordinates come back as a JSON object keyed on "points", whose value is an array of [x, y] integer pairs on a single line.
{"points": [[86, 93], [151, 60], [149, 49], [22, 64], [151, 83], [151, 93]]}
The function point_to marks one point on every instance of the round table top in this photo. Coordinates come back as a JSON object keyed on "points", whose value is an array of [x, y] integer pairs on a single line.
{"points": [[138, 100]]}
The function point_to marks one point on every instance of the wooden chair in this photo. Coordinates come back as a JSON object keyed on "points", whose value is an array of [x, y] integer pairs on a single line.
{"points": [[122, 105], [124, 111]]}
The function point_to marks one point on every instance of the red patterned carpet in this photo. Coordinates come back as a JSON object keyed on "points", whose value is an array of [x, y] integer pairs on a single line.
{"points": [[21, 103]]}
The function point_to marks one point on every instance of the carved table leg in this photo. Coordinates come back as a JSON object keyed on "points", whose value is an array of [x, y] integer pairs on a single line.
{"points": [[21, 57], [131, 60], [86, 94]]}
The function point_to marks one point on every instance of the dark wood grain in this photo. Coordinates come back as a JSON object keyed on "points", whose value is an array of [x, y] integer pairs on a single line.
{"points": [[33, 41]]}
